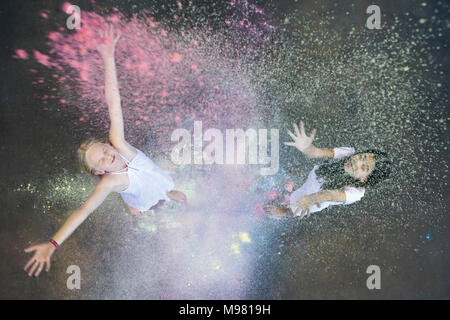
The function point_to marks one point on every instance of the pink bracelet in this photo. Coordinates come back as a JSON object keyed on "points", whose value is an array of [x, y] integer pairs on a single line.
{"points": [[53, 242]]}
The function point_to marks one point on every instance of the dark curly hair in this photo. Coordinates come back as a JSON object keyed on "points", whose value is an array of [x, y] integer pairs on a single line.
{"points": [[335, 177]]}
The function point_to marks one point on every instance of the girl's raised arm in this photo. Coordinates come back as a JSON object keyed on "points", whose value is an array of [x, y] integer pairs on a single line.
{"points": [[116, 133], [304, 143], [106, 49]]}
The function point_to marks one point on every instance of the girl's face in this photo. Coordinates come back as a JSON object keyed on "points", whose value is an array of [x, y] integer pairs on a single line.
{"points": [[360, 166], [103, 158]]}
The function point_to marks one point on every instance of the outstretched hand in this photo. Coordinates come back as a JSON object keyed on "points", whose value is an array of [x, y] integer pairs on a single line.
{"points": [[41, 257], [301, 141], [304, 205], [107, 42]]}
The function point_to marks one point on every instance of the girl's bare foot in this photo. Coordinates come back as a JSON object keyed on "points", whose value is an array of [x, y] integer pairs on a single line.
{"points": [[278, 211], [135, 212], [177, 195]]}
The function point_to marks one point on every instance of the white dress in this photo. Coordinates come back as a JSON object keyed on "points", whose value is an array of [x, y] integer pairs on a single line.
{"points": [[313, 185], [148, 182]]}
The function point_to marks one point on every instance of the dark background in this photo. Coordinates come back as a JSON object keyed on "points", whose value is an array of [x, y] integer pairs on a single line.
{"points": [[35, 144]]}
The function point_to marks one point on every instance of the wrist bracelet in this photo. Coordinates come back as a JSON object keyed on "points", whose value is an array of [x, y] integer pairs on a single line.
{"points": [[53, 242]]}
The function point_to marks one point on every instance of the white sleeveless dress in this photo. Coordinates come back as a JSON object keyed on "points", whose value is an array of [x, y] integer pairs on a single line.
{"points": [[148, 182]]}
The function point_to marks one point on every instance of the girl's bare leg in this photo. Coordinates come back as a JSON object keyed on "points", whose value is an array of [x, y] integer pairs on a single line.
{"points": [[278, 211], [152, 210], [176, 195]]}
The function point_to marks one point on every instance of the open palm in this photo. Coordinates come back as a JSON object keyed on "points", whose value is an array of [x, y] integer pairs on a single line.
{"points": [[41, 258], [107, 42], [304, 205], [301, 140]]}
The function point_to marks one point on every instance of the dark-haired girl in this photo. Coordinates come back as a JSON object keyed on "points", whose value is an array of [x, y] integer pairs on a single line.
{"points": [[342, 181]]}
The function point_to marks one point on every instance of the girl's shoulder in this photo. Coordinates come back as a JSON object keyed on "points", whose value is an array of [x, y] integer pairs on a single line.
{"points": [[126, 150], [115, 182], [343, 152]]}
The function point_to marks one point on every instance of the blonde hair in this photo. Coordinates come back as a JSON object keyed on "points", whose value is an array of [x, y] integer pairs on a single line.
{"points": [[82, 150]]}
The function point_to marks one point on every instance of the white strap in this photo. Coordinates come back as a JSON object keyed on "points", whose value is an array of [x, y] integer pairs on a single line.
{"points": [[124, 170], [125, 159]]}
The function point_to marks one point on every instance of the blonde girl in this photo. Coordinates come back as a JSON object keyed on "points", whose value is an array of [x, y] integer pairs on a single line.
{"points": [[122, 167]]}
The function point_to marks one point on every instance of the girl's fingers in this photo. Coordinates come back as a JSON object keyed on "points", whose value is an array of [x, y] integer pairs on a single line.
{"points": [[292, 144], [302, 127], [39, 269], [306, 212], [111, 31], [292, 135], [313, 134], [117, 38], [303, 213], [296, 130], [47, 262], [32, 248], [28, 264], [35, 265], [296, 211]]}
